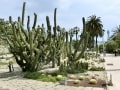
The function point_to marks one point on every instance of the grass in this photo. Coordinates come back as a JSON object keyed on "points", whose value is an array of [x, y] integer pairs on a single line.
{"points": [[41, 76]]}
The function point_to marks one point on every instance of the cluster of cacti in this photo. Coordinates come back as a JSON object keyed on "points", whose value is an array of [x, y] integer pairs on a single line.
{"points": [[74, 68], [75, 55], [35, 47], [57, 41]]}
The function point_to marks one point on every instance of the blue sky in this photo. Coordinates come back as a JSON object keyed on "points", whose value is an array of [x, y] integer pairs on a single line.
{"points": [[69, 12]]}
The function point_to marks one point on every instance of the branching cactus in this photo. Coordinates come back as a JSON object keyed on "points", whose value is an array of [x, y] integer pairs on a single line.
{"points": [[34, 47], [26, 44], [74, 55], [57, 40]]}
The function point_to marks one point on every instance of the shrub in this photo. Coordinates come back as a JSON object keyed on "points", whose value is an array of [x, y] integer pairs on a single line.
{"points": [[40, 76], [33, 75], [111, 46]]}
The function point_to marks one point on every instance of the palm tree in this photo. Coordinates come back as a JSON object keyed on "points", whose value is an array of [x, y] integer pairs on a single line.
{"points": [[95, 27], [116, 35]]}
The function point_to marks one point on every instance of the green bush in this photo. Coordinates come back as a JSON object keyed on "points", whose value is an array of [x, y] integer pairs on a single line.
{"points": [[40, 76], [33, 75], [73, 68], [111, 46]]}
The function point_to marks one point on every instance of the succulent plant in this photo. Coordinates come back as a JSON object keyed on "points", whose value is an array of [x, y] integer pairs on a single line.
{"points": [[74, 56], [60, 77], [81, 77], [73, 76], [93, 81], [76, 81]]}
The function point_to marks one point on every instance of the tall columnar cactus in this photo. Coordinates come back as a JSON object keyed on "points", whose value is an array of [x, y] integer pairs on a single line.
{"points": [[57, 40], [25, 44], [34, 47], [73, 56]]}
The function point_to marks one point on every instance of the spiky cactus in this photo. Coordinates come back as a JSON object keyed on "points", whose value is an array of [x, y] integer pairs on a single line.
{"points": [[26, 44], [74, 56], [57, 40], [34, 47]]}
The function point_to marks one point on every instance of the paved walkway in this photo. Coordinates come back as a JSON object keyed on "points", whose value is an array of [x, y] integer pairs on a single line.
{"points": [[14, 81], [112, 65]]}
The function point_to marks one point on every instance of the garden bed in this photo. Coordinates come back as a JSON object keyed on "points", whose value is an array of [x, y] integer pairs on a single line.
{"points": [[85, 83]]}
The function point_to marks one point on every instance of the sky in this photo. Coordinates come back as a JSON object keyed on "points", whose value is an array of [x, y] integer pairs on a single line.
{"points": [[69, 12]]}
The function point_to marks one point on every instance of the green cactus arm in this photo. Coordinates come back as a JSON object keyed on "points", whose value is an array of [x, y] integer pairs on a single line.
{"points": [[55, 23], [81, 39], [35, 21], [28, 24], [67, 44], [49, 36], [37, 33], [31, 43], [78, 45], [84, 48], [10, 19], [23, 12], [70, 45], [48, 23], [23, 37], [15, 34]]}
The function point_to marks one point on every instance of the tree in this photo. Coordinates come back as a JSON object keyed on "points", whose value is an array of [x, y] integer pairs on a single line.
{"points": [[111, 45], [116, 35], [95, 27]]}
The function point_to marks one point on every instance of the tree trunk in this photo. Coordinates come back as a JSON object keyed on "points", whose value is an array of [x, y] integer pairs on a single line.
{"points": [[96, 47]]}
